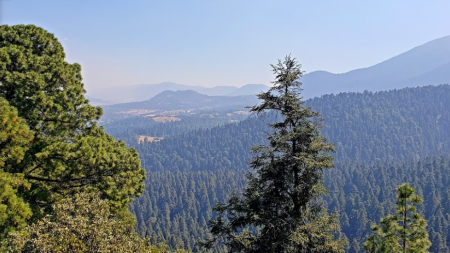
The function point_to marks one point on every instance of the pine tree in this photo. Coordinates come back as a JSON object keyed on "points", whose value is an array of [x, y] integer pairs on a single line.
{"points": [[81, 223], [280, 210], [69, 151], [404, 232], [14, 139]]}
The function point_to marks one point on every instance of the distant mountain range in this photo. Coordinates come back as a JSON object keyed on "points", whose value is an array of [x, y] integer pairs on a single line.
{"points": [[187, 100], [428, 64], [146, 91]]}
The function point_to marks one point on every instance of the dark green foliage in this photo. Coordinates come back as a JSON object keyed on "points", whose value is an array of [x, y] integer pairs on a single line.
{"points": [[360, 193], [279, 207], [212, 149], [14, 138], [92, 159], [81, 223], [394, 125], [69, 151], [363, 194], [14, 212], [390, 126], [176, 206], [46, 90], [403, 232]]}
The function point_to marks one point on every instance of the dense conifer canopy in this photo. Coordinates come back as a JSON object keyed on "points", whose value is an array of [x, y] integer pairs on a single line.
{"points": [[382, 139]]}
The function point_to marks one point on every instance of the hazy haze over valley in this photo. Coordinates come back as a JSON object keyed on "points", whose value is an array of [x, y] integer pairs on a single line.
{"points": [[427, 64], [225, 126], [220, 43]]}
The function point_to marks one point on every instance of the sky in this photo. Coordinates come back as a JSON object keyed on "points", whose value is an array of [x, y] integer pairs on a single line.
{"points": [[226, 42]]}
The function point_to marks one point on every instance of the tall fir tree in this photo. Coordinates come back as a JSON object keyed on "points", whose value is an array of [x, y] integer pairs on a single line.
{"points": [[280, 210], [402, 233]]}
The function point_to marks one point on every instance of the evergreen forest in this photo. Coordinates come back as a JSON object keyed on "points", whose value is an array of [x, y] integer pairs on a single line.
{"points": [[382, 139], [348, 172]]}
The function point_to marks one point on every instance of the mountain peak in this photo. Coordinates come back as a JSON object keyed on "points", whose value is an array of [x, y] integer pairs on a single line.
{"points": [[181, 94]]}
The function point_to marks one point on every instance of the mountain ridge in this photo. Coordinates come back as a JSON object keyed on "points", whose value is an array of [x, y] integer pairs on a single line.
{"points": [[392, 73], [184, 100], [426, 64]]}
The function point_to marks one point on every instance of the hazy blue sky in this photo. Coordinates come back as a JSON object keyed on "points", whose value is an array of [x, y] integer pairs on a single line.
{"points": [[225, 42]]}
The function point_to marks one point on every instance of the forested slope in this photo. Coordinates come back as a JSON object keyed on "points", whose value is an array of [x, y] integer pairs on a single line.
{"points": [[387, 125], [176, 206], [362, 194], [218, 148], [365, 127], [378, 137]]}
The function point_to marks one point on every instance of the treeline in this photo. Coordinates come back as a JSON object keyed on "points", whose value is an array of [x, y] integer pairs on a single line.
{"points": [[369, 130]]}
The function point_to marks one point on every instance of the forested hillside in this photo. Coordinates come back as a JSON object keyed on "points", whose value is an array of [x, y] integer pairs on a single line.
{"points": [[365, 127], [384, 133], [388, 125], [176, 206], [362, 194]]}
